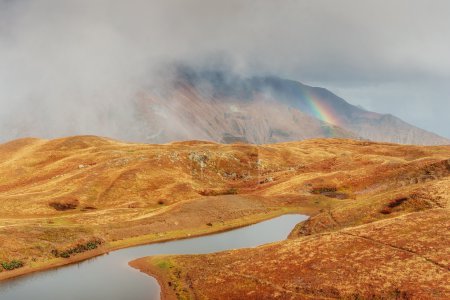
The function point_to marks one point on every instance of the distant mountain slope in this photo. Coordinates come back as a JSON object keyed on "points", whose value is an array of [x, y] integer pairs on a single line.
{"points": [[325, 105], [224, 107], [186, 114]]}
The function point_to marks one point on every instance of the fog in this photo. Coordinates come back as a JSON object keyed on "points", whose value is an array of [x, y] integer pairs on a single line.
{"points": [[75, 67]]}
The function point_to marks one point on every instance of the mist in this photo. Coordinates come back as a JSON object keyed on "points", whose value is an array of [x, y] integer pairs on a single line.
{"points": [[76, 67]]}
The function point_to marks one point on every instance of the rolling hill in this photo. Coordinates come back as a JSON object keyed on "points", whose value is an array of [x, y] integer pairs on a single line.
{"points": [[378, 212]]}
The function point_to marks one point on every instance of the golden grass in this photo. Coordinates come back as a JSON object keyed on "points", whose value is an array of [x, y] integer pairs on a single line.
{"points": [[56, 193]]}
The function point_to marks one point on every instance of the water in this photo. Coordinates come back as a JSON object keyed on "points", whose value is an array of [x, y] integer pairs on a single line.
{"points": [[109, 277]]}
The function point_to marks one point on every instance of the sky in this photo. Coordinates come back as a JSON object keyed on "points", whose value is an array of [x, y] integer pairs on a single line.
{"points": [[74, 66]]}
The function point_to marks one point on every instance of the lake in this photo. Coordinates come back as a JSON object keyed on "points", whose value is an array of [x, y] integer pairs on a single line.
{"points": [[109, 277]]}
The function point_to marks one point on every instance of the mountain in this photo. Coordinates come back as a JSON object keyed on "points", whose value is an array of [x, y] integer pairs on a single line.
{"points": [[224, 107]]}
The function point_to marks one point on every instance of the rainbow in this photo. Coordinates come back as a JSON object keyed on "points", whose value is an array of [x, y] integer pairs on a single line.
{"points": [[321, 110]]}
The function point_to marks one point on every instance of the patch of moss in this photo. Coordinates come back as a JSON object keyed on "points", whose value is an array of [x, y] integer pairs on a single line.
{"points": [[164, 264]]}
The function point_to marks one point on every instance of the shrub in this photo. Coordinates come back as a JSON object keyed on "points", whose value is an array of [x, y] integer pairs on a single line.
{"points": [[64, 204], [231, 191], [14, 264], [392, 204], [92, 245], [397, 202], [322, 190], [385, 211], [79, 248], [208, 192]]}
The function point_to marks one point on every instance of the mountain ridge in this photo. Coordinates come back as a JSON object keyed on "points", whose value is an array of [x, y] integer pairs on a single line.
{"points": [[223, 107]]}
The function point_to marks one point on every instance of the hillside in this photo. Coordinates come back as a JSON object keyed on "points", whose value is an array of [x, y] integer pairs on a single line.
{"points": [[58, 195], [386, 237], [224, 107], [400, 258]]}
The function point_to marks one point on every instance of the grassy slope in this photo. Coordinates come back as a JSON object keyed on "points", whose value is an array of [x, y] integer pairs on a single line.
{"points": [[128, 194], [400, 258], [388, 238], [60, 193]]}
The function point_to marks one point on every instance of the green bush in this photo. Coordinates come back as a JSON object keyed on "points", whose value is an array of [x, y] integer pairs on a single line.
{"points": [[91, 245], [14, 264]]}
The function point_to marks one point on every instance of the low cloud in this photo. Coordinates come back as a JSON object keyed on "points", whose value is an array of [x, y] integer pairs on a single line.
{"points": [[75, 67]]}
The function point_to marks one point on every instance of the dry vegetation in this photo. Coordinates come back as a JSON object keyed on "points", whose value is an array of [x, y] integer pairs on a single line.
{"points": [[60, 194], [382, 230], [378, 228], [399, 258]]}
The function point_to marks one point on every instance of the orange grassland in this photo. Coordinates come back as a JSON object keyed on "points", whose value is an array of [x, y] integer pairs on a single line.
{"points": [[379, 225]]}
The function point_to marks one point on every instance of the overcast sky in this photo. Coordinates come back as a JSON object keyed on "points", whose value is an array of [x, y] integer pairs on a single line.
{"points": [[70, 66]]}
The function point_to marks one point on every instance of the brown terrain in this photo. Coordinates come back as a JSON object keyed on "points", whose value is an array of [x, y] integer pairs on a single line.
{"points": [[379, 225], [68, 199]]}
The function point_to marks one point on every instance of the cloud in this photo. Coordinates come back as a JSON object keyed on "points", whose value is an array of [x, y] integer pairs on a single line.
{"points": [[74, 67]]}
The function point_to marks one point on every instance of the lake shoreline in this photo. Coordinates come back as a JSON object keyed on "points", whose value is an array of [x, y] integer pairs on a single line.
{"points": [[145, 266], [139, 241]]}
